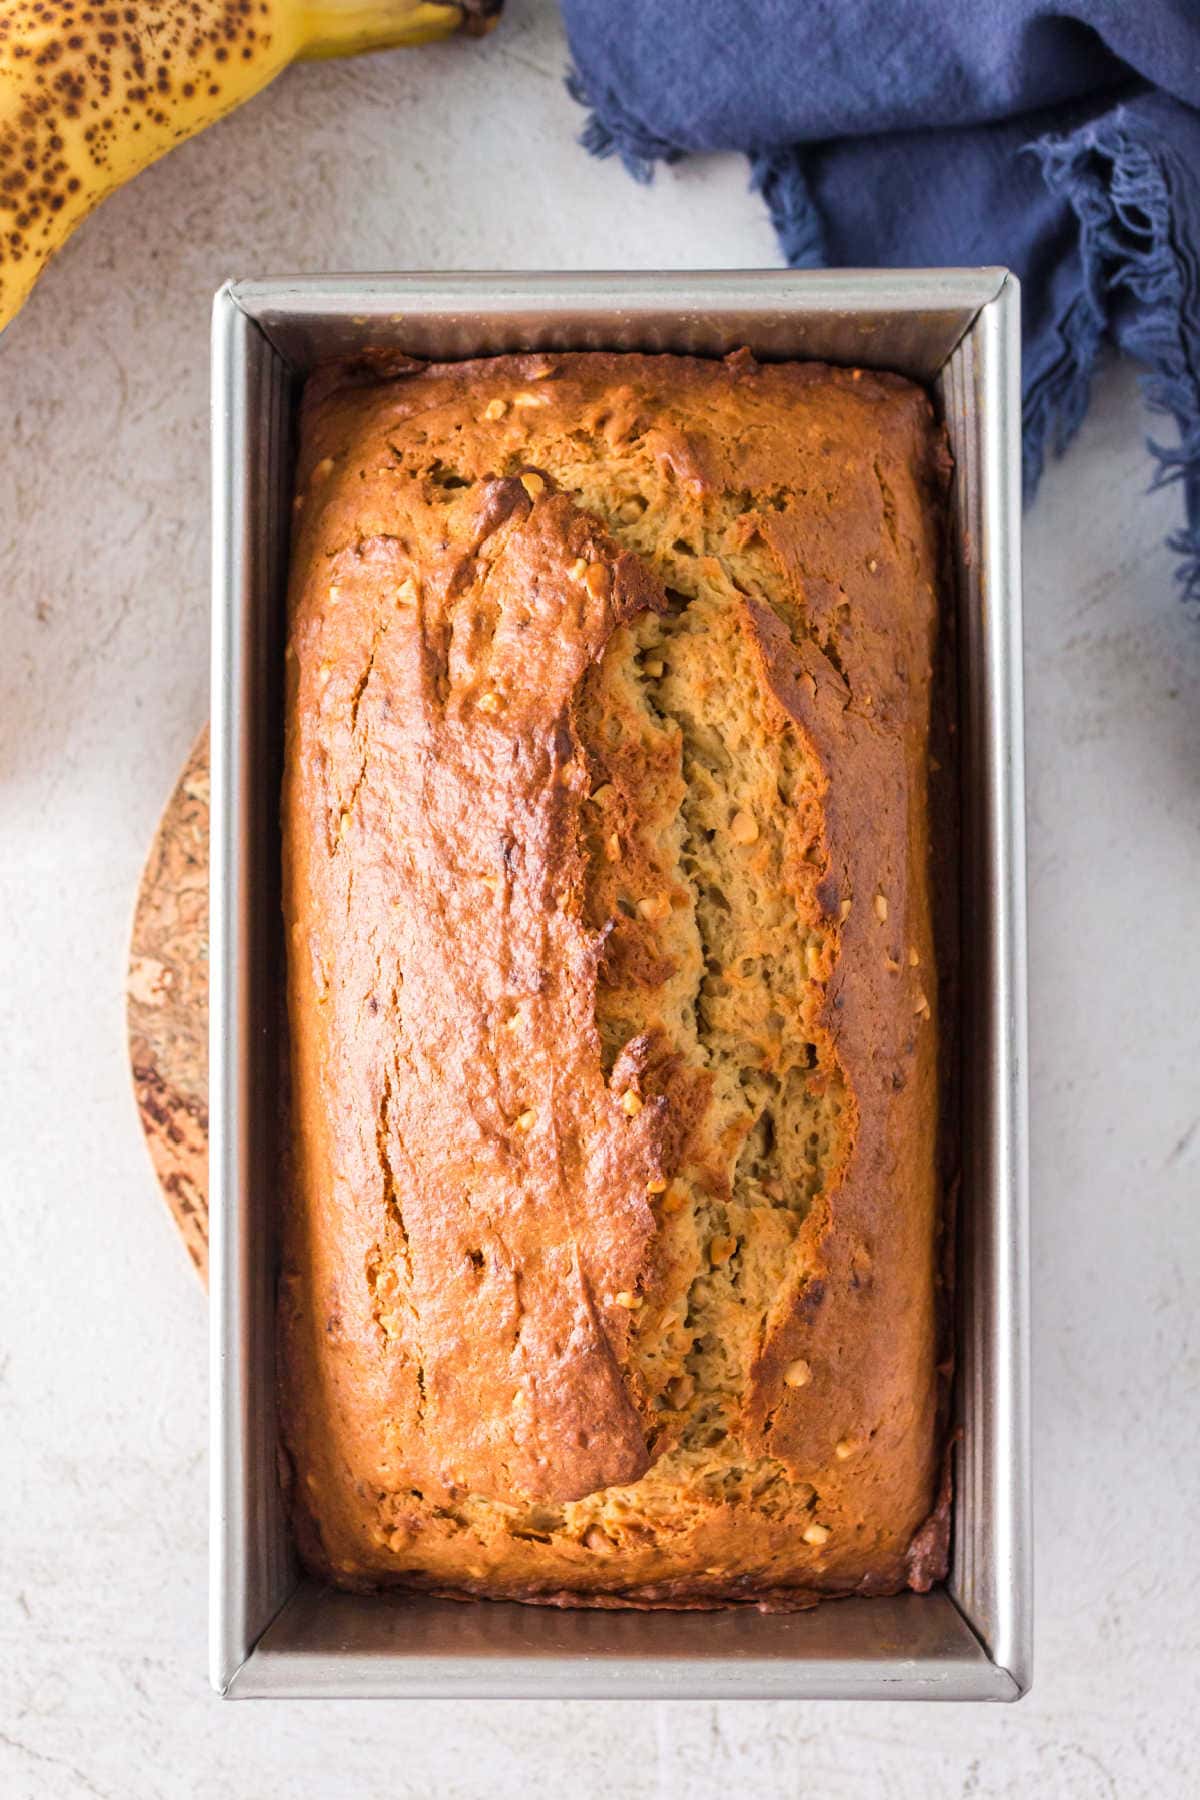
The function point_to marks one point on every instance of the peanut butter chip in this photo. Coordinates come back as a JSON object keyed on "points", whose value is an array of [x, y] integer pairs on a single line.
{"points": [[525, 1120], [631, 1103], [674, 1200], [656, 906], [597, 580], [743, 829], [797, 1375], [653, 668], [534, 486], [629, 1301], [495, 409], [721, 1249], [816, 1534], [657, 1186], [578, 569]]}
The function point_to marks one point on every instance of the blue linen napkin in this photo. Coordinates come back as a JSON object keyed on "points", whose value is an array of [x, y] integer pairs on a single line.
{"points": [[1062, 141]]}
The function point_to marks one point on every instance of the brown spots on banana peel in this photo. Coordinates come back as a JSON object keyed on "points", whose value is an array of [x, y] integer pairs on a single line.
{"points": [[91, 93], [81, 84]]}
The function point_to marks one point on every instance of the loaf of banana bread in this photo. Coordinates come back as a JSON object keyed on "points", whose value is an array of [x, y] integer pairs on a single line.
{"points": [[610, 1266]]}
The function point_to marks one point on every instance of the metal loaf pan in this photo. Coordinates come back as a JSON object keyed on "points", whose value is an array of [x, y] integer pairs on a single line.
{"points": [[274, 1630]]}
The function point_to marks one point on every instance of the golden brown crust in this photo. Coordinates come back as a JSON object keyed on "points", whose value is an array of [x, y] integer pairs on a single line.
{"points": [[609, 1273]]}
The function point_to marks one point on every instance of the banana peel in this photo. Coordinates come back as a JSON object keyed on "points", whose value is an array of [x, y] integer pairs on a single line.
{"points": [[91, 92]]}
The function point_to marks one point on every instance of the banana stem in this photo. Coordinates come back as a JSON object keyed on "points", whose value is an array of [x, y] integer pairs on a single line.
{"points": [[348, 27]]}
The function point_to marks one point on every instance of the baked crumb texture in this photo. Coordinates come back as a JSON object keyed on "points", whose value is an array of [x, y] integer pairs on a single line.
{"points": [[609, 1270]]}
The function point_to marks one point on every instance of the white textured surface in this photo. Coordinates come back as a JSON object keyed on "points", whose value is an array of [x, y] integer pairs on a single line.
{"points": [[464, 157]]}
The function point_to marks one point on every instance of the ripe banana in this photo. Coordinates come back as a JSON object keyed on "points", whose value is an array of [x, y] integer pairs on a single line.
{"points": [[93, 90]]}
